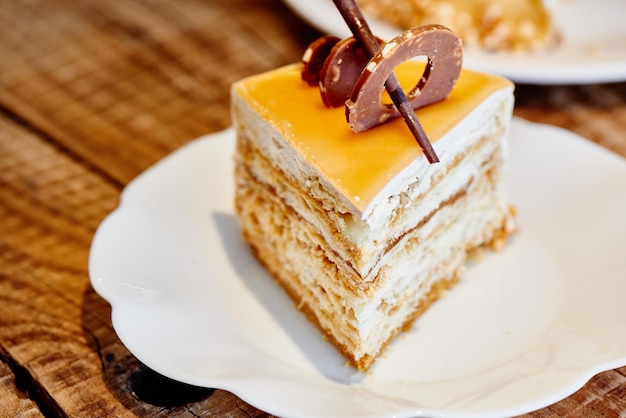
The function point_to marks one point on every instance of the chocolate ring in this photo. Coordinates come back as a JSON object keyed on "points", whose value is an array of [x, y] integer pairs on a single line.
{"points": [[444, 51]]}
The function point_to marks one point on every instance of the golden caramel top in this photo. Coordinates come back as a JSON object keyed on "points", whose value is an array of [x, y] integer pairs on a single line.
{"points": [[358, 165]]}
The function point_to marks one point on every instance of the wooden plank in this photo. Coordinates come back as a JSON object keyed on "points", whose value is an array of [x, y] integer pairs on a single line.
{"points": [[15, 402], [136, 78], [54, 329]]}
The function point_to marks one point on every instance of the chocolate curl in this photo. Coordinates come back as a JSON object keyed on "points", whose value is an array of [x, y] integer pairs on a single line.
{"points": [[361, 31]]}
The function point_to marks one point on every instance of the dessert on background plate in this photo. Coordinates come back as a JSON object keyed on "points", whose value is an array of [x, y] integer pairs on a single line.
{"points": [[362, 230], [491, 25]]}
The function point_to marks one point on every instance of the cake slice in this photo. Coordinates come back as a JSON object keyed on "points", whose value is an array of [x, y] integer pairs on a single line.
{"points": [[361, 231]]}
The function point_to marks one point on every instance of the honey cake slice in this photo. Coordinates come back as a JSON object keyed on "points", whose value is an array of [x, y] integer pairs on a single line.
{"points": [[360, 230]]}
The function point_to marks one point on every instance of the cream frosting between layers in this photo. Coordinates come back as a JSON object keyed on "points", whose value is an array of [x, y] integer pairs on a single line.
{"points": [[367, 168]]}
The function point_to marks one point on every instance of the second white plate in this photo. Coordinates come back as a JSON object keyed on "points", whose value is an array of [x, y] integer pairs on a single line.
{"points": [[593, 49], [524, 328]]}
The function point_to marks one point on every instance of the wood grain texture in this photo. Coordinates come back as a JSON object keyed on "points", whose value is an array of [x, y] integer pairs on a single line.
{"points": [[15, 402], [138, 78], [91, 94], [54, 329]]}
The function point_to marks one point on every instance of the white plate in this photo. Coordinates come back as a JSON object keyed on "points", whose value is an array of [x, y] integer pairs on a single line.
{"points": [[525, 327], [593, 48]]}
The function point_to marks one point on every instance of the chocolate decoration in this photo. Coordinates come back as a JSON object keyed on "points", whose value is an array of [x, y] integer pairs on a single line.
{"points": [[444, 51], [341, 70], [314, 58], [355, 20]]}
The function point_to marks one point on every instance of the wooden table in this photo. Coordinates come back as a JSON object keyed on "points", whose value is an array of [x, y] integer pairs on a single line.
{"points": [[91, 94]]}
